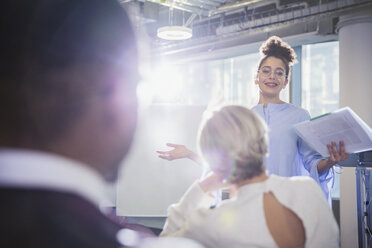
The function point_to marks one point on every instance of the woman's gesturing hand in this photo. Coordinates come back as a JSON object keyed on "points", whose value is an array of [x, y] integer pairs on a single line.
{"points": [[179, 151]]}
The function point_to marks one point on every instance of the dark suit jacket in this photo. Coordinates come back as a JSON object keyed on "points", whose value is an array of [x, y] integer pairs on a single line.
{"points": [[42, 218]]}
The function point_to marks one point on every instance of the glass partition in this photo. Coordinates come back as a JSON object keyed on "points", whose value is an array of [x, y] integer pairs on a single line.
{"points": [[320, 84]]}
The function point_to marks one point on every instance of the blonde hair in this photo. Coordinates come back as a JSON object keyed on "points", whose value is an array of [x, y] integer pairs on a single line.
{"points": [[233, 140]]}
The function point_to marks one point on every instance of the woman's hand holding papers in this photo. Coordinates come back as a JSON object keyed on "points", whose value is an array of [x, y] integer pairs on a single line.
{"points": [[335, 156]]}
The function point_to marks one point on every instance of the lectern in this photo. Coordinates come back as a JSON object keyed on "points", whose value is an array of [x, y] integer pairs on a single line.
{"points": [[364, 194]]}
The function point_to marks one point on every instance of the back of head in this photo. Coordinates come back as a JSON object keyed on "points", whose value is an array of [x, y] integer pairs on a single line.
{"points": [[52, 52], [234, 142]]}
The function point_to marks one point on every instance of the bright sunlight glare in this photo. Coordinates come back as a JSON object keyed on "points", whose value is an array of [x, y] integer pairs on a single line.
{"points": [[162, 85]]}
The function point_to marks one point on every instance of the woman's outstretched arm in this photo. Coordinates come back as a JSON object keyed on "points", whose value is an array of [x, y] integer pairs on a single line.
{"points": [[178, 152]]}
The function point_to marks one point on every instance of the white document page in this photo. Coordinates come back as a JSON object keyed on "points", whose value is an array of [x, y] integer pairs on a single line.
{"points": [[342, 124]]}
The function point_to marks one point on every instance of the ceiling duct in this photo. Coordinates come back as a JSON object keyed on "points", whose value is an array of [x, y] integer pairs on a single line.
{"points": [[181, 6], [240, 5], [210, 8], [316, 21], [194, 6], [294, 16]]}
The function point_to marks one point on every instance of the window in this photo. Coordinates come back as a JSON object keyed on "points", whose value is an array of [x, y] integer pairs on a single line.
{"points": [[320, 84]]}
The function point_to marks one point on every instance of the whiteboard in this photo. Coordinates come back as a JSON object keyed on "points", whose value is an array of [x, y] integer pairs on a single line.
{"points": [[147, 185]]}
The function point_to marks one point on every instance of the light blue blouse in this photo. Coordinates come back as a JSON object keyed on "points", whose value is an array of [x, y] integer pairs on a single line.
{"points": [[289, 155]]}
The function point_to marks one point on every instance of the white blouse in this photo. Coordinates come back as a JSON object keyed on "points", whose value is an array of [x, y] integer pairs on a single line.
{"points": [[240, 221]]}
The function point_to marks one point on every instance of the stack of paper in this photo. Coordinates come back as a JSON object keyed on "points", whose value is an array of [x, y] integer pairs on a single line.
{"points": [[342, 124]]}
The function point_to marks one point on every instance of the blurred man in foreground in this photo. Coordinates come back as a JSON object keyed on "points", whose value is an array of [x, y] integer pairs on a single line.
{"points": [[68, 113]]}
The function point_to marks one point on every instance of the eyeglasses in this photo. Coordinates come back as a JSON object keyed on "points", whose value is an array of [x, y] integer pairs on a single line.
{"points": [[278, 73]]}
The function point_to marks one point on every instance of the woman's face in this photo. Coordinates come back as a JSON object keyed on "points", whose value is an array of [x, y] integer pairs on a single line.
{"points": [[271, 77]]}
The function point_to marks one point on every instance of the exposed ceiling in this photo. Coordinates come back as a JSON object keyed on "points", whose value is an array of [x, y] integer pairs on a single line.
{"points": [[218, 24]]}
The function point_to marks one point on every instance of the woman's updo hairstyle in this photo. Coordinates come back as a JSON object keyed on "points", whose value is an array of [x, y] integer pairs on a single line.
{"points": [[275, 47]]}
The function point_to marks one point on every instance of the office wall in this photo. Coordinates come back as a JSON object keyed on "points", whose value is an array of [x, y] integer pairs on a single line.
{"points": [[355, 35], [147, 184]]}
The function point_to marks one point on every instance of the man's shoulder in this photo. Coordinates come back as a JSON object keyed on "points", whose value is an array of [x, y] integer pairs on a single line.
{"points": [[48, 218]]}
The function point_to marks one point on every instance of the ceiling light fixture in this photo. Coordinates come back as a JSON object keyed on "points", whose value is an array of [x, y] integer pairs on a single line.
{"points": [[174, 33]]}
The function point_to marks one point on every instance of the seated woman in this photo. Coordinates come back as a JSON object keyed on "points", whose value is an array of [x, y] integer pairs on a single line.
{"points": [[264, 211]]}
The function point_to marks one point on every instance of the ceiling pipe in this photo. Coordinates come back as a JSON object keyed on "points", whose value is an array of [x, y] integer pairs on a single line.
{"points": [[203, 7], [200, 4], [219, 1], [312, 14], [240, 5], [209, 2], [189, 21], [291, 5], [197, 6], [180, 6], [255, 4], [324, 9]]}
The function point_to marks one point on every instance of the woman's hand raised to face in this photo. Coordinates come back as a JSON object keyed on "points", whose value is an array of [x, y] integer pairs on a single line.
{"points": [[213, 182]]}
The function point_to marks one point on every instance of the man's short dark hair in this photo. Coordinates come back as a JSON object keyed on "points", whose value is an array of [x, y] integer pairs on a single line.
{"points": [[40, 40]]}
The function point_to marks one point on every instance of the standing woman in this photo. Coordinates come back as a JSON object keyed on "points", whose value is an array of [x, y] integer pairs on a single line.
{"points": [[288, 155]]}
